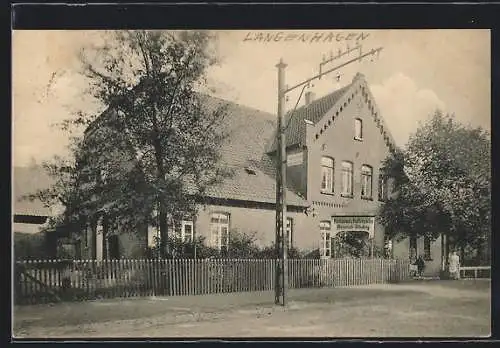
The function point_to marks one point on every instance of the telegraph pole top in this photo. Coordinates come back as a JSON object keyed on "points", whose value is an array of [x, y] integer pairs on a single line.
{"points": [[281, 64]]}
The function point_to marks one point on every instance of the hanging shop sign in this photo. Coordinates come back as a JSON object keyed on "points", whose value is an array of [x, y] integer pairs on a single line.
{"points": [[354, 223], [294, 159]]}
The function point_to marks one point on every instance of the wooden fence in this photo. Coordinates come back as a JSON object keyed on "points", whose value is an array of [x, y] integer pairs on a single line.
{"points": [[48, 281], [475, 272]]}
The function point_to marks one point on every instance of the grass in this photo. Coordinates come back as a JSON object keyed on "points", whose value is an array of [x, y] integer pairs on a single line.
{"points": [[416, 309]]}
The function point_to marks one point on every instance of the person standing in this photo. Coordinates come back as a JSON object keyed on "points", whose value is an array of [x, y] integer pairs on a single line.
{"points": [[420, 266], [454, 266]]}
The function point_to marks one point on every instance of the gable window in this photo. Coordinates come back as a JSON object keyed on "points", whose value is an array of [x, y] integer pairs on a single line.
{"points": [[219, 231], [289, 232], [382, 186], [326, 242], [327, 174], [427, 249], [347, 172], [358, 129], [366, 181]]}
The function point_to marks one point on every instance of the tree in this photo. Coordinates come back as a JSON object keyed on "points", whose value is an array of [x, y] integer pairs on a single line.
{"points": [[154, 150], [443, 184]]}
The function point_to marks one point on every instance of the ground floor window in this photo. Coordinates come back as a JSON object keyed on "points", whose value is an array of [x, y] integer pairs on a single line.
{"points": [[184, 231], [219, 231], [187, 228], [326, 242]]}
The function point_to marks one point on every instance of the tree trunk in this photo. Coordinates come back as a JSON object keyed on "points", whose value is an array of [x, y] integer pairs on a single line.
{"points": [[443, 253], [462, 254], [163, 227]]}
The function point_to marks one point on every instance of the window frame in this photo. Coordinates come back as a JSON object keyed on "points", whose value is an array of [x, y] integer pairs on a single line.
{"points": [[185, 223], [328, 167], [358, 121], [363, 175], [325, 230], [218, 244], [349, 171]]}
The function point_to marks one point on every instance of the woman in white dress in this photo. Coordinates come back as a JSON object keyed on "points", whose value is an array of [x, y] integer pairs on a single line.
{"points": [[454, 266]]}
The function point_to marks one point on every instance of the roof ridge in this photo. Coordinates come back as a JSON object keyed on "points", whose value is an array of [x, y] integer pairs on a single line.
{"points": [[237, 104], [321, 99]]}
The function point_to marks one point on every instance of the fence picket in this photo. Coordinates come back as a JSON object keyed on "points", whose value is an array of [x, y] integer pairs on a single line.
{"points": [[183, 277]]}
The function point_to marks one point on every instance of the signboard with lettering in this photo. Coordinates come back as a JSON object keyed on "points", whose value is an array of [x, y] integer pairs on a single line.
{"points": [[354, 223], [294, 159]]}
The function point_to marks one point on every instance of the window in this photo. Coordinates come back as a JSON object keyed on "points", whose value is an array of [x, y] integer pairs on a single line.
{"points": [[427, 249], [289, 232], [358, 129], [347, 178], [187, 231], [366, 181], [219, 229], [326, 174], [326, 242], [382, 187]]}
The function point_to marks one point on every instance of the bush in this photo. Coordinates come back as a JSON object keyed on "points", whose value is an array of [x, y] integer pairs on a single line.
{"points": [[241, 246]]}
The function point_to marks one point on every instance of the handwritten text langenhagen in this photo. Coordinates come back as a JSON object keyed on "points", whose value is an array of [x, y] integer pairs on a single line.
{"points": [[312, 37]]}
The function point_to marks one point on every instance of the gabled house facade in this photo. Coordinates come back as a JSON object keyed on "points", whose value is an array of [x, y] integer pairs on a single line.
{"points": [[336, 184]]}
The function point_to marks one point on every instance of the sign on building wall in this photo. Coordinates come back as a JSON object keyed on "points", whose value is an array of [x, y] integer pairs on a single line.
{"points": [[294, 159], [354, 223]]}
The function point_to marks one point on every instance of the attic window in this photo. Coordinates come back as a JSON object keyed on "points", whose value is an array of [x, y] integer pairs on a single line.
{"points": [[358, 129], [250, 171]]}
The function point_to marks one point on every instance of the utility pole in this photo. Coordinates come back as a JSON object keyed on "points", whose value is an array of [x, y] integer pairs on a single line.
{"points": [[281, 236]]}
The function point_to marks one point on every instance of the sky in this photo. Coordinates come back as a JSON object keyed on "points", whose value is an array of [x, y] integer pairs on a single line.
{"points": [[416, 72]]}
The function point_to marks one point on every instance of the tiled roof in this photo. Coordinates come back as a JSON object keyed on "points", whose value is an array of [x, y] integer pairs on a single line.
{"points": [[295, 121], [28, 180], [249, 130]]}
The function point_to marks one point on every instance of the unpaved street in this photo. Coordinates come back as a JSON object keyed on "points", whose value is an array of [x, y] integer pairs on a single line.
{"points": [[434, 309]]}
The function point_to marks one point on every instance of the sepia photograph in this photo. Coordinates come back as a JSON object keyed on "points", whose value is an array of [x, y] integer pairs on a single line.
{"points": [[251, 183]]}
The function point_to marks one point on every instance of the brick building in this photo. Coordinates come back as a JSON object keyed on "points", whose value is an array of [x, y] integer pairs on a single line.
{"points": [[335, 148]]}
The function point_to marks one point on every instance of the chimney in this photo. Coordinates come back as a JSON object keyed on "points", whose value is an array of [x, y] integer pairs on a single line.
{"points": [[309, 97]]}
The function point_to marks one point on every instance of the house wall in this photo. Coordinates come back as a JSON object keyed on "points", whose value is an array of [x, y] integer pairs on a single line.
{"points": [[433, 266], [261, 221], [26, 228], [336, 140]]}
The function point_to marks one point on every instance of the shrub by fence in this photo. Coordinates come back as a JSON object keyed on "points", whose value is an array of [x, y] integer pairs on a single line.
{"points": [[45, 281]]}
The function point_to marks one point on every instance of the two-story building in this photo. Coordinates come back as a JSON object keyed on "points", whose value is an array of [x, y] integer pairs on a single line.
{"points": [[336, 185]]}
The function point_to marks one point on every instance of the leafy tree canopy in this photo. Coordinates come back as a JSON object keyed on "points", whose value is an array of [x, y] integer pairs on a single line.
{"points": [[443, 183], [154, 149]]}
